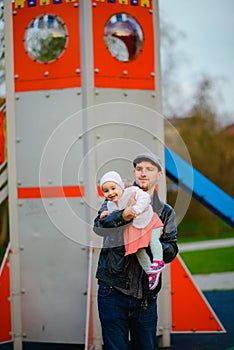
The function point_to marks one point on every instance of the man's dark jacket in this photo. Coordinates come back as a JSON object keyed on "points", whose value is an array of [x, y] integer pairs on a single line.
{"points": [[113, 266]]}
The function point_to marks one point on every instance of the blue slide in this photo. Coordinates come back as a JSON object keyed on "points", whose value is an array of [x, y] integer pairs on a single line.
{"points": [[201, 188]]}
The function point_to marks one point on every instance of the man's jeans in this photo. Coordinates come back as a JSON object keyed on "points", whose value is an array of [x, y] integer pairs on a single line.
{"points": [[121, 316]]}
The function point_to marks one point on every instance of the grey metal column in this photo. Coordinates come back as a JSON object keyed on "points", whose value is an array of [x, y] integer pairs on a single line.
{"points": [[164, 300], [12, 181], [86, 40]]}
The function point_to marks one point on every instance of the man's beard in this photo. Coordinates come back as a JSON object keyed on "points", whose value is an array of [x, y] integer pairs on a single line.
{"points": [[144, 186]]}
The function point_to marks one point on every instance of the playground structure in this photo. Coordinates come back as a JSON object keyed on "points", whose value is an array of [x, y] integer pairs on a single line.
{"points": [[206, 192], [74, 112]]}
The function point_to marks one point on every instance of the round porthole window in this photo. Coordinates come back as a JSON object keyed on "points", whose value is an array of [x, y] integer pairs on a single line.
{"points": [[46, 38], [123, 37]]}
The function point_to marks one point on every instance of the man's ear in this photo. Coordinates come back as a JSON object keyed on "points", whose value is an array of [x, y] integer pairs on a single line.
{"points": [[160, 174]]}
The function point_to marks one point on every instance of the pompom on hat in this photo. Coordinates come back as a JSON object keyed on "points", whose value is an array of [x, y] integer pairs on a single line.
{"points": [[112, 176]]}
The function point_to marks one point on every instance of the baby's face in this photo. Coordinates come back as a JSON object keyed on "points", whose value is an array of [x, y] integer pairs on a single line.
{"points": [[112, 191]]}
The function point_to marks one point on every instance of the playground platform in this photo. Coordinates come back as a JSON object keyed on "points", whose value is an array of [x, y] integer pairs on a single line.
{"points": [[222, 303]]}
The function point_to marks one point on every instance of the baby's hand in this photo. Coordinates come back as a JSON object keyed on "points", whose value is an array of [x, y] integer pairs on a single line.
{"points": [[129, 214], [133, 213], [103, 214]]}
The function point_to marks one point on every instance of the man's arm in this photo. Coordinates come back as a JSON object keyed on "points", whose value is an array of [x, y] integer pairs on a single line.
{"points": [[169, 235], [113, 220]]}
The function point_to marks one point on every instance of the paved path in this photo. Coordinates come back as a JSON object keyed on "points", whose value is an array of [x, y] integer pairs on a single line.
{"points": [[213, 281], [214, 243]]}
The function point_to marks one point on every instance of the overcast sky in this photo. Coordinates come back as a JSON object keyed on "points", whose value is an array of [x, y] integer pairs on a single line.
{"points": [[208, 47]]}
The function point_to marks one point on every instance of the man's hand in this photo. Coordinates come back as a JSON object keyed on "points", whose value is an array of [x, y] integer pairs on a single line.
{"points": [[129, 214]]}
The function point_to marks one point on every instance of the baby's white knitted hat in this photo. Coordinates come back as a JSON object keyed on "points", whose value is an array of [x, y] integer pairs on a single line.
{"points": [[112, 176]]}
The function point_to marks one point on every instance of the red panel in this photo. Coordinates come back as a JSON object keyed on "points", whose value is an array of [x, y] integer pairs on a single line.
{"points": [[191, 312], [109, 71], [2, 138], [50, 192], [5, 307], [62, 73]]}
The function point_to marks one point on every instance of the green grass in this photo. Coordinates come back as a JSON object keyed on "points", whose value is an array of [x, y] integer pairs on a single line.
{"points": [[209, 261], [211, 229], [203, 238]]}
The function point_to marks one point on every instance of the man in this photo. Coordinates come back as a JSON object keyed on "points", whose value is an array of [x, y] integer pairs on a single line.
{"points": [[126, 305]]}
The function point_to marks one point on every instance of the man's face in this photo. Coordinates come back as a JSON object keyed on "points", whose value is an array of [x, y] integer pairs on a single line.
{"points": [[147, 176]]}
